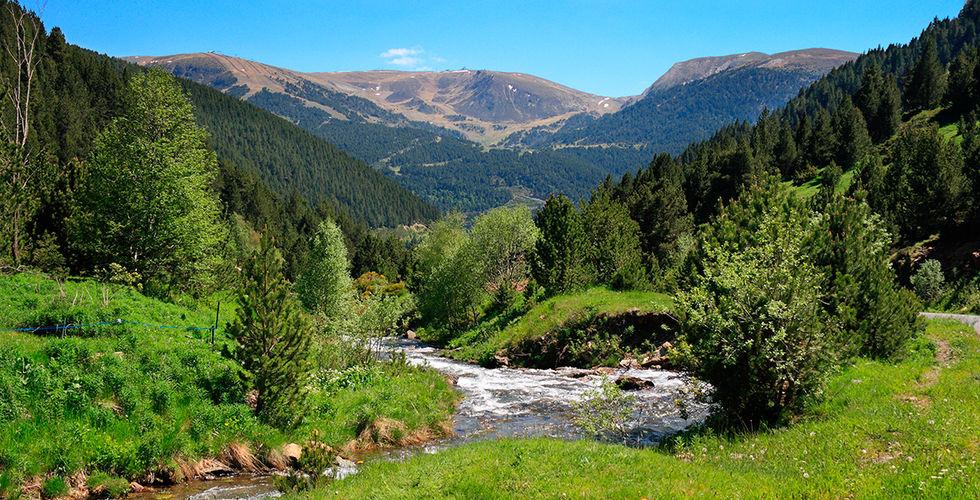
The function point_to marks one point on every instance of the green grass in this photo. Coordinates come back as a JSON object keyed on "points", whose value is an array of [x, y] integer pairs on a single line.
{"points": [[496, 333], [811, 187], [116, 402], [908, 429], [28, 299]]}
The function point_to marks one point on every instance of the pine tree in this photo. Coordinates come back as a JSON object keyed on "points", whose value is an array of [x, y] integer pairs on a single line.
{"points": [[561, 255], [786, 156], [960, 93], [325, 285], [926, 184], [614, 243], [272, 339], [659, 206], [147, 201], [879, 100], [852, 140], [821, 146], [925, 85]]}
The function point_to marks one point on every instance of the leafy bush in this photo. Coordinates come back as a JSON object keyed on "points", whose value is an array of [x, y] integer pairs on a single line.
{"points": [[755, 326], [928, 281], [604, 412]]}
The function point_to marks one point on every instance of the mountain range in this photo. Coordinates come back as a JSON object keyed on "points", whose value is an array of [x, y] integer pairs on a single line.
{"points": [[474, 139]]}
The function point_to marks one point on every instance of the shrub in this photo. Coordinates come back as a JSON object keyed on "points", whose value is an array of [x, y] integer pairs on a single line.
{"points": [[604, 412], [755, 325], [928, 281]]}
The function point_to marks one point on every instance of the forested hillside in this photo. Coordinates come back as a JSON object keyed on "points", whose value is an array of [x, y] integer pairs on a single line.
{"points": [[290, 159], [274, 174]]}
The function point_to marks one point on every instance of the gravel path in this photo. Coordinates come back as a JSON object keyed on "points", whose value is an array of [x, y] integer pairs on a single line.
{"points": [[969, 319]]}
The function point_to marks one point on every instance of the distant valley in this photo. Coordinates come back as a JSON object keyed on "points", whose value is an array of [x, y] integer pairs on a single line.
{"points": [[475, 139]]}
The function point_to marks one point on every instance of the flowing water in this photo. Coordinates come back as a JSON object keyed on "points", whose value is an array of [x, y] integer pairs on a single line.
{"points": [[511, 402]]}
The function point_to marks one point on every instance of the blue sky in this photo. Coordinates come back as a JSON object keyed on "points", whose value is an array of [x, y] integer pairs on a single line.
{"points": [[607, 47]]}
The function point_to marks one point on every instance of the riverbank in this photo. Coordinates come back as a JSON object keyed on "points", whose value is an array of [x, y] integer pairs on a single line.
{"points": [[147, 401], [594, 327], [910, 428]]}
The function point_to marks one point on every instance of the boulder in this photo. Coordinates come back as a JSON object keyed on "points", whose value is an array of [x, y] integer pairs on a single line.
{"points": [[628, 383], [629, 362], [605, 370], [292, 451], [501, 360]]}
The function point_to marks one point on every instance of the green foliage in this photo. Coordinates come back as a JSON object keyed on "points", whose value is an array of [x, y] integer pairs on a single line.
{"points": [[604, 412], [925, 85], [100, 483], [926, 185], [118, 402], [451, 288], [54, 487], [325, 285], [874, 316], [754, 322], [614, 243], [657, 201], [273, 339], [561, 255], [879, 100], [853, 141], [502, 241], [929, 281], [146, 201], [961, 93]]}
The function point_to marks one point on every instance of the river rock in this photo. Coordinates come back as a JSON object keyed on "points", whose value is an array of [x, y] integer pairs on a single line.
{"points": [[628, 383], [605, 370], [501, 360], [575, 372], [292, 451], [630, 362]]}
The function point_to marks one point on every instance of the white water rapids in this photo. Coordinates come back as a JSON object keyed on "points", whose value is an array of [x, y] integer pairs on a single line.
{"points": [[511, 402]]}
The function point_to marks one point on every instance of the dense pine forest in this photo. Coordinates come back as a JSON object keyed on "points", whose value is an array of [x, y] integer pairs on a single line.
{"points": [[192, 287]]}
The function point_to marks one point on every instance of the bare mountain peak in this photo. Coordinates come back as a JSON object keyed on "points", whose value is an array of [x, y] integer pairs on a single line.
{"points": [[485, 105], [817, 60]]}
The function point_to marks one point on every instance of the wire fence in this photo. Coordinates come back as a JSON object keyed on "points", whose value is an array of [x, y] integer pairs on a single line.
{"points": [[118, 322]]}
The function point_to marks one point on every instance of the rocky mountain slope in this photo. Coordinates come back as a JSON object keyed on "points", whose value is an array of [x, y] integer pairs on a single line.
{"points": [[483, 106]]}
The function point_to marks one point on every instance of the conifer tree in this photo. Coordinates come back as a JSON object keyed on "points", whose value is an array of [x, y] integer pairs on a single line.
{"points": [[561, 255], [926, 185], [614, 243], [272, 338], [822, 144], [853, 140], [786, 155], [659, 206], [925, 85], [879, 100], [961, 91]]}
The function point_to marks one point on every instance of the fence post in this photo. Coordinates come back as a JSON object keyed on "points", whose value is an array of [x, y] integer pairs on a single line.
{"points": [[217, 313]]}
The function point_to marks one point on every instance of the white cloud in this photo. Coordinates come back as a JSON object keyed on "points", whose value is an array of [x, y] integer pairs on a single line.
{"points": [[405, 61], [414, 58], [399, 52]]}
